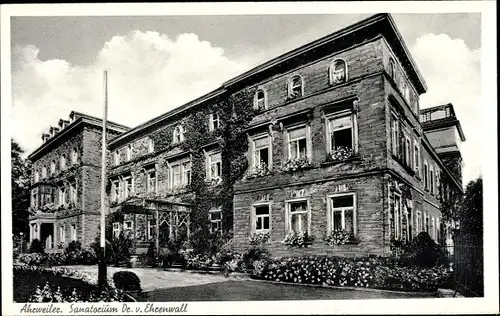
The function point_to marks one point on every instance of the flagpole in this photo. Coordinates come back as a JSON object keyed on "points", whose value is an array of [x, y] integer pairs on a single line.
{"points": [[102, 274]]}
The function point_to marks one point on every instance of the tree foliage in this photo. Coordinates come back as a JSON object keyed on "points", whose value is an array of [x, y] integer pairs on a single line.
{"points": [[20, 181], [471, 210]]}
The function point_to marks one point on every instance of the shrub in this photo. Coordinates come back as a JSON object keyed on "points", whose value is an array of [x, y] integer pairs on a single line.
{"points": [[118, 250], [338, 237], [197, 261], [127, 281], [36, 246], [254, 254], [423, 252], [259, 238], [51, 293]]}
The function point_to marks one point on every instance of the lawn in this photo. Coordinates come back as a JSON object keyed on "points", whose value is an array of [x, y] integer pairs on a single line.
{"points": [[25, 283], [260, 291]]}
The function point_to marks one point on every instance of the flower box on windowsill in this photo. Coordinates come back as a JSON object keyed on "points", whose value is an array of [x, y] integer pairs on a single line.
{"points": [[292, 165], [298, 240], [328, 162], [259, 171]]}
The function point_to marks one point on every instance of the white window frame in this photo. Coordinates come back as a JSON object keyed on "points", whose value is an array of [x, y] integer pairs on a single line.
{"points": [[115, 190], [151, 229], [62, 195], [151, 145], [209, 164], [432, 179], [178, 135], [307, 128], [330, 209], [254, 162], [184, 173], [254, 217], [392, 68], [416, 157], [426, 175], [419, 222], [331, 71], [148, 180], [125, 224], [398, 217], [329, 131], [128, 153], [74, 156], [62, 233], [116, 229], [126, 192], [117, 158], [73, 234], [288, 213], [37, 177], [52, 167], [62, 162], [44, 172], [256, 99], [212, 118], [73, 192], [218, 222], [395, 134], [291, 86]]}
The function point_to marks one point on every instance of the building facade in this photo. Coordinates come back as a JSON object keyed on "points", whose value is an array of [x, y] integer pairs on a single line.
{"points": [[66, 175], [323, 142]]}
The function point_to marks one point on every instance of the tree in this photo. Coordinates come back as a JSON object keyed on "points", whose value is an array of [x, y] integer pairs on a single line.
{"points": [[21, 172], [471, 210]]}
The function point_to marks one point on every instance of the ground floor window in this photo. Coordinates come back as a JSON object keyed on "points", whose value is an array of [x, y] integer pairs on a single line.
{"points": [[73, 232], [215, 216], [116, 229], [397, 217], [418, 223], [342, 212], [261, 218], [298, 216], [62, 233], [151, 229]]}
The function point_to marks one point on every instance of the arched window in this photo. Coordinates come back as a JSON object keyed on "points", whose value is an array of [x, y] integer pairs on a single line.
{"points": [[338, 71], [129, 152], [151, 145], [52, 167], [74, 156], [296, 87], [392, 69], [37, 177], [44, 172], [62, 162], [178, 134], [260, 101]]}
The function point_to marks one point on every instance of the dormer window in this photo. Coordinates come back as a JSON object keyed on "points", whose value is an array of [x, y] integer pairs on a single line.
{"points": [[260, 101], [52, 167], [37, 177], [178, 134], [129, 152], [44, 172], [117, 158], [214, 122], [151, 145], [296, 87], [62, 162], [338, 71], [392, 69]]}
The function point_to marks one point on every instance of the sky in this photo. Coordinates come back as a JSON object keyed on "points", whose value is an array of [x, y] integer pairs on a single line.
{"points": [[158, 63]]}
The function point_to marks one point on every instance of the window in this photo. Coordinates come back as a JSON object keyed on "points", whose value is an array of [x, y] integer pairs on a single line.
{"points": [[44, 172], [214, 122], [338, 71], [395, 135], [52, 167], [426, 223], [116, 230], [392, 68], [34, 198], [297, 143], [397, 217], [418, 224], [432, 180], [342, 213], [151, 183], [180, 173], [433, 228], [37, 177], [407, 151], [178, 134], [261, 156], [62, 196], [214, 166], [115, 190], [62, 233], [438, 230], [260, 100], [151, 229], [117, 158], [426, 175], [298, 216], [73, 193], [215, 216], [129, 152], [296, 87], [438, 182], [62, 162], [151, 145], [341, 132], [74, 156], [129, 186], [261, 218], [73, 232], [416, 157], [127, 225]]}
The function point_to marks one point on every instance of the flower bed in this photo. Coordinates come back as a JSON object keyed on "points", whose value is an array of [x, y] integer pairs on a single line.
{"points": [[370, 272]]}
